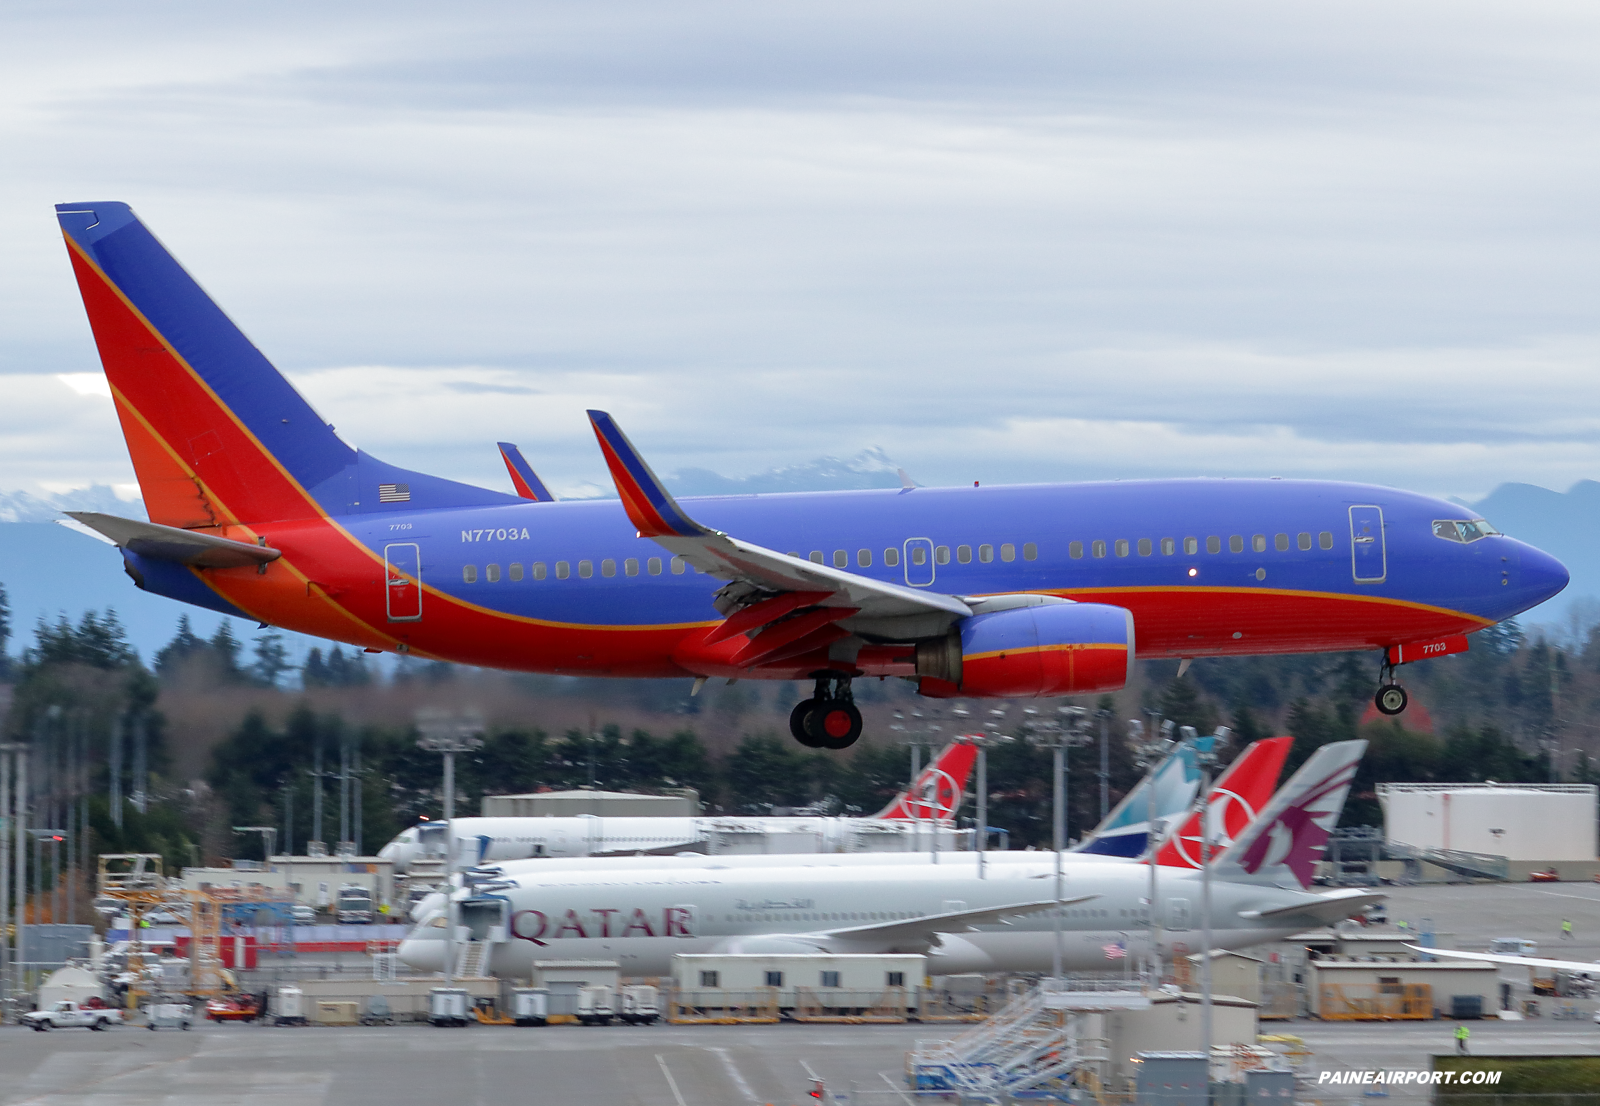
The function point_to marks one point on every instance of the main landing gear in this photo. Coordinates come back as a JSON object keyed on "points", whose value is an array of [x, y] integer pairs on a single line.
{"points": [[1391, 698], [829, 719]]}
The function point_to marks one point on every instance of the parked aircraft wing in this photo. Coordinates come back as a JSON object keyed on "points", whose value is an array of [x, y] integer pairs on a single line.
{"points": [[1319, 909], [523, 478], [169, 543], [764, 585], [1589, 968], [929, 926]]}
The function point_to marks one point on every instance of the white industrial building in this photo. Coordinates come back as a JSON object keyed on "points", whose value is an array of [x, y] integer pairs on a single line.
{"points": [[683, 802], [1521, 822]]}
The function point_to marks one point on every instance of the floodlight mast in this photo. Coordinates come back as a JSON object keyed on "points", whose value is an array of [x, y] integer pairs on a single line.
{"points": [[919, 732], [1058, 735], [449, 734], [269, 838]]}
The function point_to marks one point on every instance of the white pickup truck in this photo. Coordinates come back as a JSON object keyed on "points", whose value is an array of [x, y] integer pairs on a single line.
{"points": [[67, 1015]]}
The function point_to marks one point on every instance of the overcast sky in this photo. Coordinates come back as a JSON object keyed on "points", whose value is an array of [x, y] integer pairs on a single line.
{"points": [[1003, 241]]}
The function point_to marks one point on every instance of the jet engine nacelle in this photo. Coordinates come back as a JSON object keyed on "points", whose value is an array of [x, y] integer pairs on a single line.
{"points": [[1031, 652]]}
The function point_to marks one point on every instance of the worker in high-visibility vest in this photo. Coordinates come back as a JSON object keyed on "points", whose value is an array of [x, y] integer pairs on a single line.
{"points": [[1566, 929], [1462, 1033]]}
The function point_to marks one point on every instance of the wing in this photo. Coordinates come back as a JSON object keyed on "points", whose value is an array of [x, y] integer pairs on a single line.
{"points": [[168, 543], [928, 927], [1591, 968], [1319, 909], [789, 605], [523, 478]]}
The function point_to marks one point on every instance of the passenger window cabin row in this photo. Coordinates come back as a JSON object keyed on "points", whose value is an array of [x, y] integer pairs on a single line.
{"points": [[841, 559], [918, 555], [539, 571], [1191, 546]]}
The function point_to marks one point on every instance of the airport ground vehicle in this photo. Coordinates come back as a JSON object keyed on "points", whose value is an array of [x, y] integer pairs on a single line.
{"points": [[69, 1015], [234, 1008], [169, 1015], [640, 1004], [355, 905], [596, 1004]]}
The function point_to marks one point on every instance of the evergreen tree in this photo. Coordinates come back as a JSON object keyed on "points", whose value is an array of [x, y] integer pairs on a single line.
{"points": [[184, 644], [98, 641], [271, 659], [5, 631]]}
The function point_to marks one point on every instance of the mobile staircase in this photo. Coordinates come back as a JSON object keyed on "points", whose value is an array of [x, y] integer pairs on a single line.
{"points": [[1037, 1046], [1472, 865]]}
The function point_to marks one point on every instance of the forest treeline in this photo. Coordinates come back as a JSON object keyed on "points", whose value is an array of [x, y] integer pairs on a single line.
{"points": [[1511, 709]]}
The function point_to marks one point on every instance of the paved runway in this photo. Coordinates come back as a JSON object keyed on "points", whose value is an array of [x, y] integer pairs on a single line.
{"points": [[238, 1065]]}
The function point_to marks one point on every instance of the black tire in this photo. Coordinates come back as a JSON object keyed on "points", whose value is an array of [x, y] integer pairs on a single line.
{"points": [[834, 724], [1391, 699], [799, 720], [98, 1026]]}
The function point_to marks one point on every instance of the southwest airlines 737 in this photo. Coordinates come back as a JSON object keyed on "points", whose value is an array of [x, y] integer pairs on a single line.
{"points": [[259, 510]]}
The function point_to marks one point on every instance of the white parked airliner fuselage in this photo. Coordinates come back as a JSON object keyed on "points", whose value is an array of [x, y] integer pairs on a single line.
{"points": [[642, 918]]}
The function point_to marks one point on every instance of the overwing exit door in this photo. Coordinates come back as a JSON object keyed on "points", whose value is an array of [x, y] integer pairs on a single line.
{"points": [[919, 562], [402, 572], [1367, 557]]}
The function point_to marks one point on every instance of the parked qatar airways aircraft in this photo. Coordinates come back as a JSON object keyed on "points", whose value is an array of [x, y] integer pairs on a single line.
{"points": [[259, 510], [964, 921], [909, 822]]}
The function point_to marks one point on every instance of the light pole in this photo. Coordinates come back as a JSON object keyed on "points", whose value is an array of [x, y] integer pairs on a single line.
{"points": [[1058, 735], [448, 734], [10, 823], [1206, 757], [990, 736], [923, 732], [1105, 762], [269, 837]]}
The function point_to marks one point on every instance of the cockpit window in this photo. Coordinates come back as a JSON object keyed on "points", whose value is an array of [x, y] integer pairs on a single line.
{"points": [[1462, 530]]}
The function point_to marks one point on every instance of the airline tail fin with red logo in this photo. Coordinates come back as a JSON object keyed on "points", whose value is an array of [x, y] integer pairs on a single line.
{"points": [[1282, 846], [935, 796], [1244, 788]]}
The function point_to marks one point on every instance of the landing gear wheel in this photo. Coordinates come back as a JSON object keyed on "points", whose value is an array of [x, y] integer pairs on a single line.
{"points": [[833, 724], [1391, 699], [798, 720]]}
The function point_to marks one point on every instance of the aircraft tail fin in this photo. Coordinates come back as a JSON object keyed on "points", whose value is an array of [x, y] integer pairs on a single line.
{"points": [[1175, 781], [936, 793], [523, 478], [216, 433], [1287, 839], [1244, 788]]}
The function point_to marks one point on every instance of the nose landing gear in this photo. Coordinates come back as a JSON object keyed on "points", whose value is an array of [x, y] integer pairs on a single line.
{"points": [[829, 719], [1391, 698]]}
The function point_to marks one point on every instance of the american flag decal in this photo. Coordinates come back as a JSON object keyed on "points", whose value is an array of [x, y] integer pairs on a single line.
{"points": [[1114, 951], [394, 493]]}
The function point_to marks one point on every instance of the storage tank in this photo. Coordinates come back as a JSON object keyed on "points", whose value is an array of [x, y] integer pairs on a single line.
{"points": [[1524, 821]]}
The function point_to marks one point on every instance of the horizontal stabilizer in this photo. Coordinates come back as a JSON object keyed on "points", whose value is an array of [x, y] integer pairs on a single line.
{"points": [[168, 543]]}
